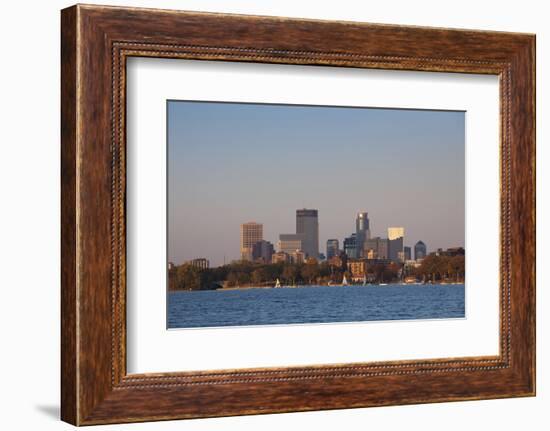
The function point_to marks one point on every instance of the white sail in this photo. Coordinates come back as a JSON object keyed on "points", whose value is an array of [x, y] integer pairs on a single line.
{"points": [[344, 281], [277, 283]]}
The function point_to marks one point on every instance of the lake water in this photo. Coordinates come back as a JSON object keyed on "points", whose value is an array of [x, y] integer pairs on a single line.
{"points": [[313, 304]]}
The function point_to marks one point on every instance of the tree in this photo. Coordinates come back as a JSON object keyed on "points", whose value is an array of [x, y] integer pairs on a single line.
{"points": [[188, 277], [290, 272], [310, 272], [259, 275], [457, 266]]}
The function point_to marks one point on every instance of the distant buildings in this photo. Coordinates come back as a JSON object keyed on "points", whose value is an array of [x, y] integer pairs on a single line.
{"points": [[376, 248], [303, 245], [289, 242], [358, 269], [419, 250], [306, 238], [251, 233], [280, 257], [333, 248], [362, 231], [307, 224], [454, 251], [297, 256], [262, 251], [396, 236], [200, 263], [350, 246]]}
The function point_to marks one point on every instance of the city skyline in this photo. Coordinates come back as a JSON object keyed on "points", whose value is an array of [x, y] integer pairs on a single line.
{"points": [[262, 162]]}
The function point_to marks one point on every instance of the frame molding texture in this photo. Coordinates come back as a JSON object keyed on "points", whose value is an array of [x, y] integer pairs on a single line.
{"points": [[95, 43]]}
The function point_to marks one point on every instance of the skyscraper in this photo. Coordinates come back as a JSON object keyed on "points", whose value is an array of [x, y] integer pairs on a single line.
{"points": [[407, 253], [251, 233], [362, 231], [396, 236], [420, 250], [333, 248], [307, 224]]}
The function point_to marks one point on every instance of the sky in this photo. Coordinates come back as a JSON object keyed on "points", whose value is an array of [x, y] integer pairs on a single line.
{"points": [[230, 163]]}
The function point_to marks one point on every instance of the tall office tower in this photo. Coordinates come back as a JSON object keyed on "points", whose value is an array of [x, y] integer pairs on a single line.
{"points": [[407, 253], [307, 224], [420, 250], [362, 231], [333, 248], [350, 246], [251, 233], [396, 236]]}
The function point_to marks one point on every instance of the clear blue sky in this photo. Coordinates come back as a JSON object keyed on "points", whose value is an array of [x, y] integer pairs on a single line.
{"points": [[232, 163]]}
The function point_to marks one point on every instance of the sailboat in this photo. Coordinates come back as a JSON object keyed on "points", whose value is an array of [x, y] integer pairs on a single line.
{"points": [[277, 283], [364, 280], [344, 281]]}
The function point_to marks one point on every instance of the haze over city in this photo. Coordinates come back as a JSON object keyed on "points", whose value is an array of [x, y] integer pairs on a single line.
{"points": [[232, 163]]}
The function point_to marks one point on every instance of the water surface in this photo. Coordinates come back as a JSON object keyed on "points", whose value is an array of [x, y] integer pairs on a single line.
{"points": [[313, 304]]}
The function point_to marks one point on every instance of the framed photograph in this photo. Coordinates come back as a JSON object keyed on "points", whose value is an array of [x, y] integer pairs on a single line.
{"points": [[265, 215]]}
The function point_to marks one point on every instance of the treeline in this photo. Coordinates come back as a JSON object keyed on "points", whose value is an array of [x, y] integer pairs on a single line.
{"points": [[441, 268], [187, 277]]}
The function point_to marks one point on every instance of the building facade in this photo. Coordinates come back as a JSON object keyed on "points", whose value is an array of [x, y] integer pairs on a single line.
{"points": [[298, 256], [290, 242], [200, 263], [280, 257], [307, 224], [376, 248], [350, 246], [396, 236], [420, 250], [406, 253], [251, 233], [358, 269], [262, 251], [333, 248]]}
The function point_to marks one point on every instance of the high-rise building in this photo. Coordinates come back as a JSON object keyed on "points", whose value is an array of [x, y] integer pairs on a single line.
{"points": [[251, 233], [262, 250], [350, 246], [307, 224], [420, 250], [290, 242], [333, 248], [407, 253], [376, 248], [396, 236], [362, 231]]}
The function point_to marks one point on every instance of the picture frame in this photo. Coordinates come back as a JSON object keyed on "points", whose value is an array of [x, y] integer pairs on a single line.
{"points": [[96, 42]]}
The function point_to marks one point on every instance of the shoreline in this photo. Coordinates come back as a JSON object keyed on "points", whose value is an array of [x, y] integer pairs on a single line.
{"points": [[319, 285]]}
